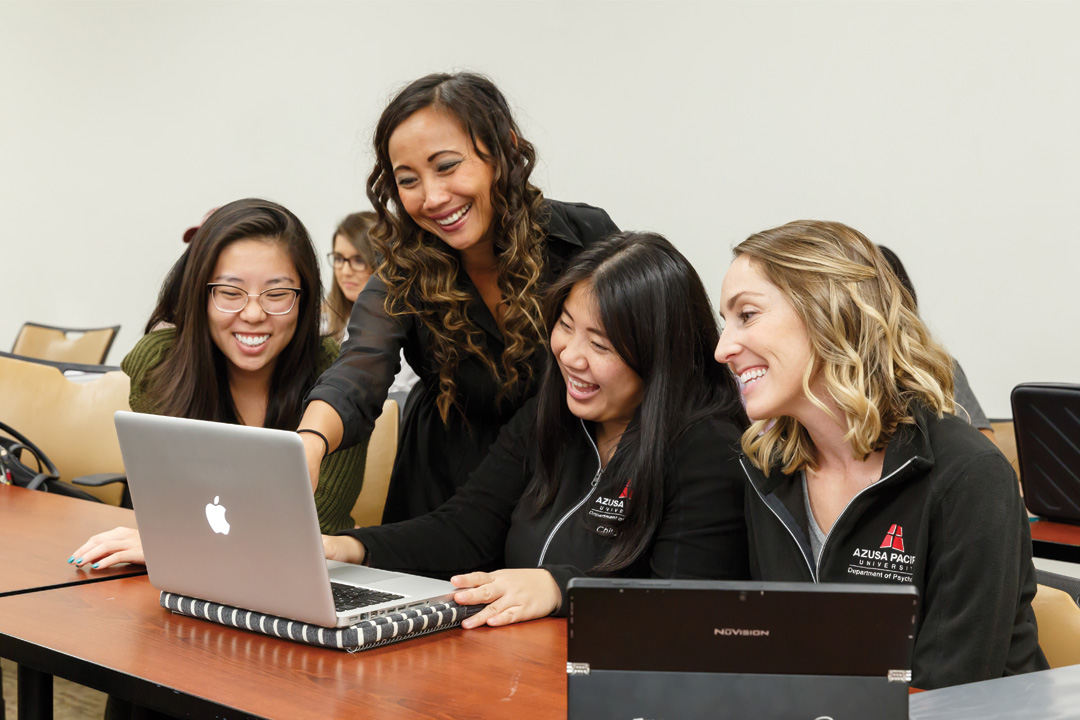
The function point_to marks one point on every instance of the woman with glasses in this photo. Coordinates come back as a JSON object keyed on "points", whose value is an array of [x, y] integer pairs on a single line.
{"points": [[244, 349], [467, 244], [353, 261]]}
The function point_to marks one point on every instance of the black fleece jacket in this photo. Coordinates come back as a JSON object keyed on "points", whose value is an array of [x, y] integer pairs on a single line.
{"points": [[487, 524], [947, 517]]}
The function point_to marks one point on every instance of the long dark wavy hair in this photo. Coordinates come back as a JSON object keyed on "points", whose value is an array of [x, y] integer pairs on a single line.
{"points": [[421, 272], [192, 380], [658, 318]]}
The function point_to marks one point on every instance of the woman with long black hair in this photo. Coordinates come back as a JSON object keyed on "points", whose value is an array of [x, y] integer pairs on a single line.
{"points": [[243, 348], [624, 464]]}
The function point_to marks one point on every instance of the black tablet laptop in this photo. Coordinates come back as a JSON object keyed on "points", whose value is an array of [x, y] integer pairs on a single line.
{"points": [[665, 649]]}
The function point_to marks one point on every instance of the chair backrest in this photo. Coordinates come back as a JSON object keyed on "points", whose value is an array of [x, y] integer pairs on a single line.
{"points": [[1058, 617], [71, 422], [89, 346], [382, 449], [1066, 583], [1047, 421], [1005, 437]]}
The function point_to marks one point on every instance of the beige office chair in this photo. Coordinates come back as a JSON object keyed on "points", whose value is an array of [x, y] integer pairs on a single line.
{"points": [[1058, 616], [72, 422], [89, 346], [1006, 440], [382, 449]]}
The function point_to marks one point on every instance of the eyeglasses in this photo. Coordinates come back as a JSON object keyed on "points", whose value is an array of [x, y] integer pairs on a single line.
{"points": [[355, 262], [231, 299]]}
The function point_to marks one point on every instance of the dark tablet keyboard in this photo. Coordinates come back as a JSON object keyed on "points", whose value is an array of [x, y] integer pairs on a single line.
{"points": [[350, 597]]}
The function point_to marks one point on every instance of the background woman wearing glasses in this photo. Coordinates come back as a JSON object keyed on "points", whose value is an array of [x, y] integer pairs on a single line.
{"points": [[353, 262], [245, 349]]}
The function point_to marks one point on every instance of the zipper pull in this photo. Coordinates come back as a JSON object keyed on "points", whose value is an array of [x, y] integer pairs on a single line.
{"points": [[596, 477]]}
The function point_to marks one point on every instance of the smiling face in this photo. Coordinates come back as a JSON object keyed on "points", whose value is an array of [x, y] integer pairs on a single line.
{"points": [[350, 281], [764, 342], [443, 183], [251, 340], [599, 385]]}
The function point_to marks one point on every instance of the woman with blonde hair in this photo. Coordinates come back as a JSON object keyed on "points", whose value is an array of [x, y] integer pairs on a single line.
{"points": [[858, 469], [467, 245]]}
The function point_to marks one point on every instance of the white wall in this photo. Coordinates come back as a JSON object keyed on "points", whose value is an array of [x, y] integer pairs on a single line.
{"points": [[949, 131]]}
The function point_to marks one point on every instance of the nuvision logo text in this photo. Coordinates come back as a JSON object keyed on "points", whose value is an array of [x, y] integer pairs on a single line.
{"points": [[739, 632]]}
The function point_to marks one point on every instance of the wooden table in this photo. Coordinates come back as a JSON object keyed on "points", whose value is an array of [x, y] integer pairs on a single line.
{"points": [[38, 533], [1055, 541], [115, 637]]}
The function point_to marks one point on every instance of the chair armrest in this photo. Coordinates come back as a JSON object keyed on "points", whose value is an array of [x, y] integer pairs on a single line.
{"points": [[99, 479]]}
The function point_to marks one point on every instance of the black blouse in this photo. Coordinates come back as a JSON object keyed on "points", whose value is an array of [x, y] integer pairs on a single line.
{"points": [[435, 458]]}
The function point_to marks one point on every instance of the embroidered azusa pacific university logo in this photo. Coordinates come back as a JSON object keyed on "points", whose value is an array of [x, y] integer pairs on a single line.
{"points": [[894, 538], [888, 562], [608, 511]]}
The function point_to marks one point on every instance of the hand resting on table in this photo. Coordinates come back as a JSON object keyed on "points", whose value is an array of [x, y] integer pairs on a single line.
{"points": [[119, 545], [511, 596]]}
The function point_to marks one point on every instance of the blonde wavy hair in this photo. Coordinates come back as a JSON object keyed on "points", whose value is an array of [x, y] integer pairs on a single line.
{"points": [[871, 350], [421, 272]]}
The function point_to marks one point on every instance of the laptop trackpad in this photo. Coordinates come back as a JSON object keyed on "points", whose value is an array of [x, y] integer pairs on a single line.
{"points": [[358, 574]]}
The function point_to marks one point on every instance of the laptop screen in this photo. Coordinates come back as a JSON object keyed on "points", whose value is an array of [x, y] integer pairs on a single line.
{"points": [[741, 627]]}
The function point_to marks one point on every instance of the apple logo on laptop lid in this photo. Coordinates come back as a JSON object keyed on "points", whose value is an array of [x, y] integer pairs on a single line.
{"points": [[215, 515]]}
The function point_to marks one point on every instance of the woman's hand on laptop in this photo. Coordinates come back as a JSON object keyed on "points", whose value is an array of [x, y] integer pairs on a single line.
{"points": [[510, 595], [344, 549], [119, 545]]}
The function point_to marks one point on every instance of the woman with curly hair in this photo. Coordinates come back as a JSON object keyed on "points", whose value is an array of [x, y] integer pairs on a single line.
{"points": [[858, 468], [467, 245]]}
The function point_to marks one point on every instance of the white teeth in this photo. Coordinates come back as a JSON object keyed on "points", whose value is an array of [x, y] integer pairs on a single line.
{"points": [[582, 386], [753, 374], [451, 219], [251, 340]]}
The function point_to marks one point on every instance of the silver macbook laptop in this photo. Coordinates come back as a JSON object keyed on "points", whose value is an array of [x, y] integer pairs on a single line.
{"points": [[226, 514], [707, 649]]}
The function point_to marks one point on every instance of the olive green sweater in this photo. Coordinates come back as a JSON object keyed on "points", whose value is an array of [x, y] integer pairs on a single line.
{"points": [[341, 474]]}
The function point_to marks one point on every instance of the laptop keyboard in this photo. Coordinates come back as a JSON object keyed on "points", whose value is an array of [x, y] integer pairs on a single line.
{"points": [[351, 597]]}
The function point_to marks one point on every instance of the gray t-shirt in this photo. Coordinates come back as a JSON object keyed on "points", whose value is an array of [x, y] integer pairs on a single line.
{"points": [[817, 537]]}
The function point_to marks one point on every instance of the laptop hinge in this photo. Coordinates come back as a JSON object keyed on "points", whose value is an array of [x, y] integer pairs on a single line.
{"points": [[573, 668], [903, 676]]}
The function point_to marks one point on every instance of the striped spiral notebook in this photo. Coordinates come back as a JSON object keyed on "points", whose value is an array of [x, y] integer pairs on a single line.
{"points": [[383, 630]]}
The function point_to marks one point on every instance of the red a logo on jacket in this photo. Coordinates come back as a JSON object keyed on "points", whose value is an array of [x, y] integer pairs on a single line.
{"points": [[894, 538]]}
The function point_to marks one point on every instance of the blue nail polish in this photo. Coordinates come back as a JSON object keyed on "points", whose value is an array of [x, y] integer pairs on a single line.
{"points": [[94, 566], [71, 559], [79, 561]]}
